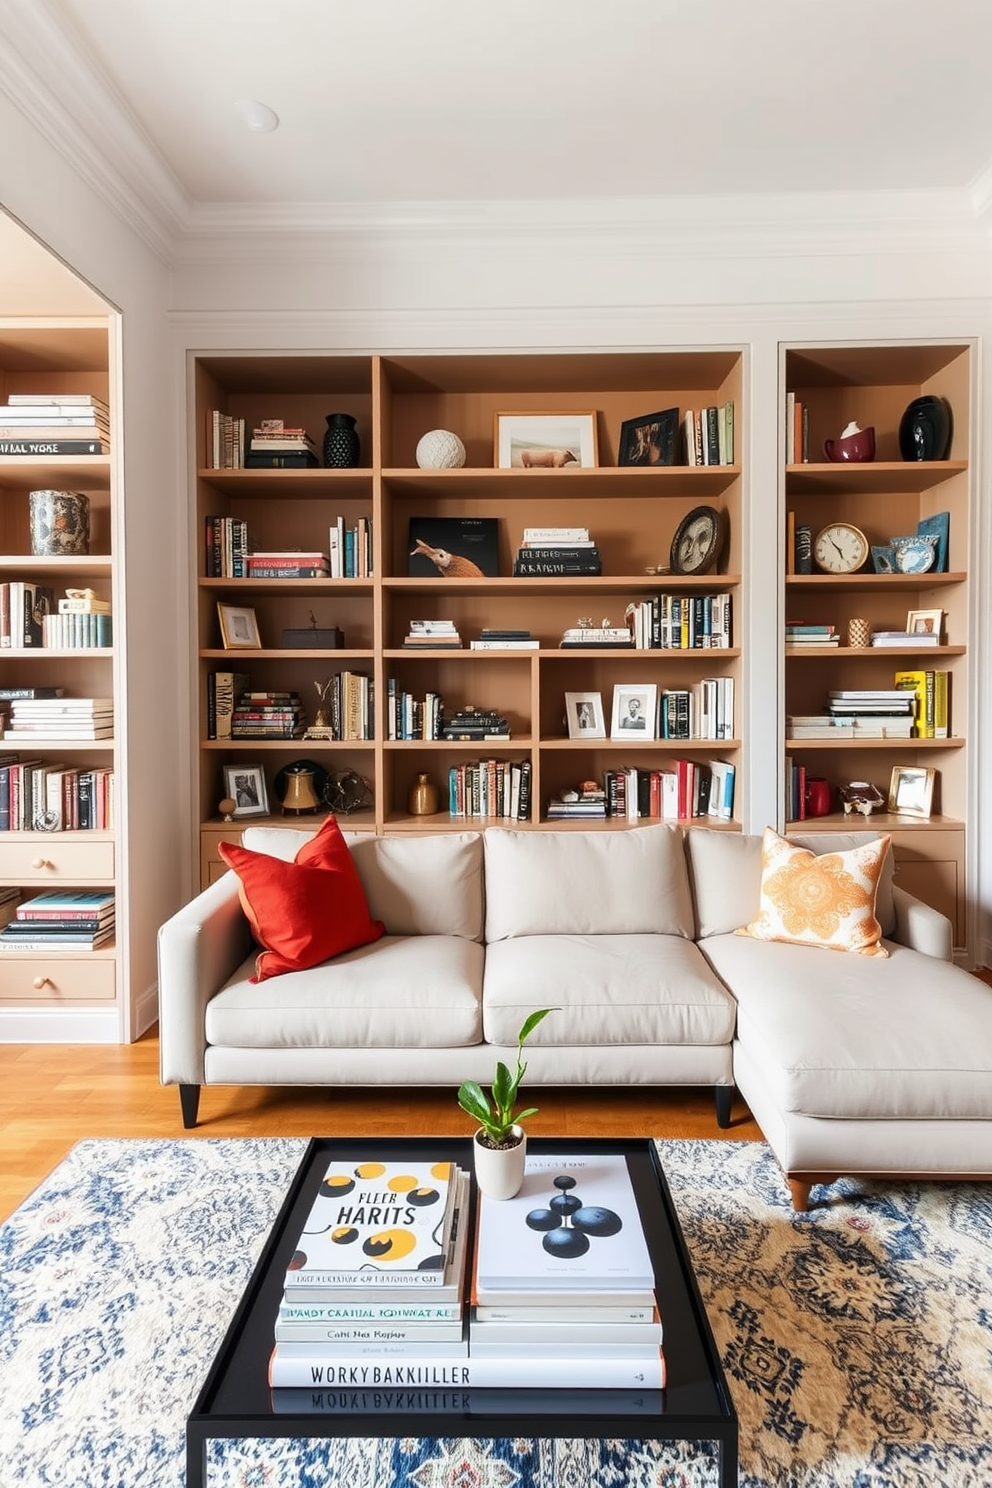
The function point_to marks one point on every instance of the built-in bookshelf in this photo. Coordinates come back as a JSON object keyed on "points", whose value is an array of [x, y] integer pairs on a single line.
{"points": [[632, 511], [888, 497], [65, 839]]}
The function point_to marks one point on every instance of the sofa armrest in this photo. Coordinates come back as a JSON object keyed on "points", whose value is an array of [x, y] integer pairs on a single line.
{"points": [[920, 927], [198, 949]]}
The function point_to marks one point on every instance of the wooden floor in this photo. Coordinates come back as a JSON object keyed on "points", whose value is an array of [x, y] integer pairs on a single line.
{"points": [[52, 1096]]}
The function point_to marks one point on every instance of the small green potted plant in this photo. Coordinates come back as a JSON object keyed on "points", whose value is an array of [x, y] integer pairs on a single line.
{"points": [[500, 1140]]}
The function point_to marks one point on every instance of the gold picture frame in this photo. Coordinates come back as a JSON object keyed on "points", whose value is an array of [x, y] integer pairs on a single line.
{"points": [[925, 622], [238, 627], [911, 790], [545, 441]]}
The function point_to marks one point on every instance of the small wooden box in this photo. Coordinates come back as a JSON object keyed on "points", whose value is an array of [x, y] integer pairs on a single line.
{"points": [[327, 639]]}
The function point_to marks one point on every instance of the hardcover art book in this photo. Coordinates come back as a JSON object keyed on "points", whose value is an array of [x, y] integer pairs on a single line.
{"points": [[376, 1223], [574, 1227], [454, 547]]}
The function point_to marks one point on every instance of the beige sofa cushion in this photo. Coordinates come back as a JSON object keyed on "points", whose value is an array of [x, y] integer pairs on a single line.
{"points": [[428, 885], [725, 875], [901, 1038], [416, 992], [609, 989], [586, 883]]}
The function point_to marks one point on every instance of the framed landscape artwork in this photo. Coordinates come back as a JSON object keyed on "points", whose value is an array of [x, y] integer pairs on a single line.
{"points": [[635, 711], [584, 714], [545, 441]]}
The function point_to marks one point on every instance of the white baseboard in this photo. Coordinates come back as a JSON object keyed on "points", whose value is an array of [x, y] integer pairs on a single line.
{"points": [[89, 1025]]}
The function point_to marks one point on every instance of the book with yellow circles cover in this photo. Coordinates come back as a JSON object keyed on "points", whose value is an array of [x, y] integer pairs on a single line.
{"points": [[376, 1224]]}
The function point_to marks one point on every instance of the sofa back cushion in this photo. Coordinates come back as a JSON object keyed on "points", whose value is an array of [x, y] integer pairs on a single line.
{"points": [[586, 883], [725, 876], [429, 885]]}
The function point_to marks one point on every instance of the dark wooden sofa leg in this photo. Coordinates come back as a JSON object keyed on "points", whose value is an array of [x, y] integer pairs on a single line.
{"points": [[189, 1100], [724, 1101]]}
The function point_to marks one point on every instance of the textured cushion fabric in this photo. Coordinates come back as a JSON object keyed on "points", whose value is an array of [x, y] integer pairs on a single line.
{"points": [[586, 883], [428, 885], [826, 901], [725, 875], [857, 1037], [306, 911], [402, 992], [608, 989]]}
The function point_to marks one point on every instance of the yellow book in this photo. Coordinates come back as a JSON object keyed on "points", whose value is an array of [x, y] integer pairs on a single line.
{"points": [[916, 682], [941, 705]]}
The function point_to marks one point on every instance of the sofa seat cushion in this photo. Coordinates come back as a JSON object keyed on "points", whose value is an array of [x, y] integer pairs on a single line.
{"points": [[904, 1038], [412, 992], [611, 989]]}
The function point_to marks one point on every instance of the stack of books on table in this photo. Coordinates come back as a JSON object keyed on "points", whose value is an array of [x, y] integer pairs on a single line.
{"points": [[54, 424], [276, 445], [288, 564], [52, 720], [881, 713], [563, 1289], [557, 552], [72, 920], [374, 1295], [432, 635]]}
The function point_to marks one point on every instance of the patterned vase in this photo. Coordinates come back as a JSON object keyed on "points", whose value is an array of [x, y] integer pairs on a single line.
{"points": [[925, 429], [341, 443], [60, 523]]}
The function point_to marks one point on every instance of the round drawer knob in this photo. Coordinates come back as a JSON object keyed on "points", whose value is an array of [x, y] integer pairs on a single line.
{"points": [[40, 863], [41, 981]]}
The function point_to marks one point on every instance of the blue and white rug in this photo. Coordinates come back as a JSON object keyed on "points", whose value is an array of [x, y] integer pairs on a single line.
{"points": [[857, 1340]]}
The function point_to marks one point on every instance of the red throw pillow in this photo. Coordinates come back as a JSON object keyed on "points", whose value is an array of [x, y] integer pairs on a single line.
{"points": [[306, 911]]}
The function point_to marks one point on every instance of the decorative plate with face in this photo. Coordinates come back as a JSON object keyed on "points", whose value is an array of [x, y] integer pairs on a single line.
{"points": [[698, 541]]}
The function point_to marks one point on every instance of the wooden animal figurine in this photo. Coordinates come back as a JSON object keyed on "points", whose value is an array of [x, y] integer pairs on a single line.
{"points": [[448, 565]]}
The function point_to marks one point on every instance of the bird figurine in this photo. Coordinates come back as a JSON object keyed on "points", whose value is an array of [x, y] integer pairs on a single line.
{"points": [[448, 565]]}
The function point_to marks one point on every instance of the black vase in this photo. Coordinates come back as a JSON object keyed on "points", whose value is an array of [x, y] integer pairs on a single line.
{"points": [[925, 429], [341, 443]]}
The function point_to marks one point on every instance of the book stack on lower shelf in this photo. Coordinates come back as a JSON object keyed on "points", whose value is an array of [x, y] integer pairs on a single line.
{"points": [[53, 720], [563, 1289], [71, 921], [375, 1292], [432, 635]]}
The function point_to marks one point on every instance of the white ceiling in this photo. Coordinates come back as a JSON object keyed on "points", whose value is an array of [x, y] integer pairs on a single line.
{"points": [[461, 100]]}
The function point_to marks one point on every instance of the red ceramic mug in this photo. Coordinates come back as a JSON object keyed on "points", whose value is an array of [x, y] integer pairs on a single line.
{"points": [[818, 797]]}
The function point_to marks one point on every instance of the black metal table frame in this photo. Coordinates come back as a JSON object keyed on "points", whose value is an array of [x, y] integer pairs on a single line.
{"points": [[235, 1401]]}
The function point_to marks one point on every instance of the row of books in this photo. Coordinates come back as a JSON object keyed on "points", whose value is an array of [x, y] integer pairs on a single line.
{"points": [[52, 720], [408, 717], [54, 424], [75, 921], [84, 631], [36, 796], [686, 789], [489, 788], [709, 434], [673, 622], [796, 434], [381, 1289], [703, 711], [916, 707]]}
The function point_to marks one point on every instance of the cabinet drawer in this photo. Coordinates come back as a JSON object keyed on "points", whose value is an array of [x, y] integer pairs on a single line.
{"points": [[56, 979], [49, 859]]}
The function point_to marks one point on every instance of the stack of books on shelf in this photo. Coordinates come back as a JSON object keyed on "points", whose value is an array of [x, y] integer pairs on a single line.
{"points": [[563, 1286], [225, 441], [288, 564], [905, 640], [374, 1294], [879, 713], [595, 637], [557, 552], [54, 797], [351, 549], [480, 724], [687, 622], [40, 720], [797, 634], [268, 715], [709, 435], [432, 635], [74, 921], [586, 803], [408, 717], [83, 622], [818, 726], [36, 424], [504, 640], [24, 607], [930, 691], [224, 691], [490, 788], [226, 555], [275, 445]]}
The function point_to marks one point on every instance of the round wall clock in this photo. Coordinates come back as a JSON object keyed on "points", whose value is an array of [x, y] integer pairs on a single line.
{"points": [[840, 548], [914, 555], [698, 541]]}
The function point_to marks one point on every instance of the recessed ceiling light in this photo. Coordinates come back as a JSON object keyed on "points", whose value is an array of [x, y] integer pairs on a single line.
{"points": [[257, 117]]}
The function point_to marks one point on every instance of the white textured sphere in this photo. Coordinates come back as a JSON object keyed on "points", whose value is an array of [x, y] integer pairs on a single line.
{"points": [[439, 449]]}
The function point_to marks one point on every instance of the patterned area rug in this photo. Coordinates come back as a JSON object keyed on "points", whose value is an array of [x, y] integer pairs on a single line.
{"points": [[857, 1340]]}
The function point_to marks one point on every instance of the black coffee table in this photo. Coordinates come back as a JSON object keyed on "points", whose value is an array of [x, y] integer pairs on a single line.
{"points": [[236, 1401]]}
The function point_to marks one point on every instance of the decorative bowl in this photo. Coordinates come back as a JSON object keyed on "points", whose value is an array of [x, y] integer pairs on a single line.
{"points": [[858, 446]]}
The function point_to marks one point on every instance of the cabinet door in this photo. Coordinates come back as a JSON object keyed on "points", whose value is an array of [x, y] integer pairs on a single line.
{"points": [[930, 866]]}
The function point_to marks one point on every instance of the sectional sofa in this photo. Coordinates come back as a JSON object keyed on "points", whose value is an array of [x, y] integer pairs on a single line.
{"points": [[851, 1064]]}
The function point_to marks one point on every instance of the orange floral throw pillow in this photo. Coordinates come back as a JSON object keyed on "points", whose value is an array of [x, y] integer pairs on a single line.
{"points": [[306, 911], [826, 901]]}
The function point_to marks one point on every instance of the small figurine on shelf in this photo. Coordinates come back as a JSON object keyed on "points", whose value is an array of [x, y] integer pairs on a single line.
{"points": [[861, 796], [321, 726]]}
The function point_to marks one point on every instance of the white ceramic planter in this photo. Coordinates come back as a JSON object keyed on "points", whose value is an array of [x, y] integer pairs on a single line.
{"points": [[499, 1171]]}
